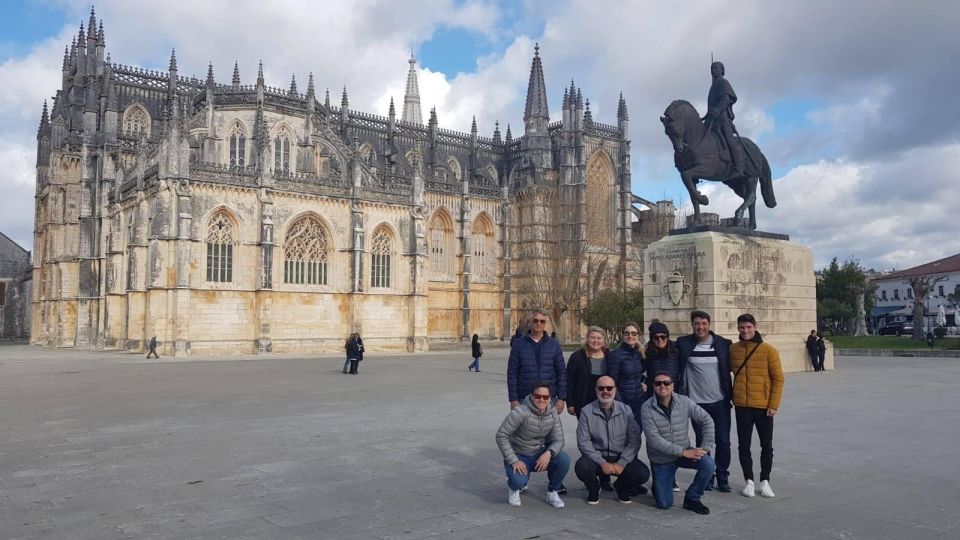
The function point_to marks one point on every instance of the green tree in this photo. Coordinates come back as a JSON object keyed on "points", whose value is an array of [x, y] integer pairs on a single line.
{"points": [[610, 309], [844, 297]]}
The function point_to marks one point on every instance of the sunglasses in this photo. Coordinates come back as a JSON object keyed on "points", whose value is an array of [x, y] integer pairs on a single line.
{"points": [[539, 321], [660, 336], [628, 333], [541, 397], [662, 383], [605, 388]]}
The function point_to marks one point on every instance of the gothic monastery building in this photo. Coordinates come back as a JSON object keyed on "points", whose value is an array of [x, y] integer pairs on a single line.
{"points": [[229, 217]]}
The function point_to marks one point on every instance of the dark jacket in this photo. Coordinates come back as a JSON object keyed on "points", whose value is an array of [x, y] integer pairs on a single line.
{"points": [[353, 350], [658, 360], [580, 389], [721, 345], [626, 368], [812, 345], [475, 349], [360, 349], [821, 346], [531, 363]]}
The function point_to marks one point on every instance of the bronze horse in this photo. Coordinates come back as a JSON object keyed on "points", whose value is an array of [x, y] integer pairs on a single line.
{"points": [[699, 154]]}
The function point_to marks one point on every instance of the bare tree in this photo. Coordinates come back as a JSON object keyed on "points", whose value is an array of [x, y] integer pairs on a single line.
{"points": [[922, 286]]}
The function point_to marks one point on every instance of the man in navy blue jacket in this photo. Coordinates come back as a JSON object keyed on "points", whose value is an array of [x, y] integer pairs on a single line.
{"points": [[705, 378], [536, 357]]}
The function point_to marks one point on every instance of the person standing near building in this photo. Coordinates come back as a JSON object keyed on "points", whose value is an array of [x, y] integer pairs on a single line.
{"points": [[530, 439], [757, 389], [821, 351], [536, 357], [705, 378], [353, 348], [584, 367], [476, 351], [627, 369], [812, 349]]}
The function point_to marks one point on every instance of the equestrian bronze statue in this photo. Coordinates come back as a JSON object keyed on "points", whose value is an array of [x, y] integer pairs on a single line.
{"points": [[711, 149]]}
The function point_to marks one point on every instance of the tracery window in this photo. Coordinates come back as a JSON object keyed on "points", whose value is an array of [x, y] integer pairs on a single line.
{"points": [[441, 247], [305, 253], [482, 244], [380, 252], [238, 146], [220, 248], [281, 153], [600, 187], [136, 121]]}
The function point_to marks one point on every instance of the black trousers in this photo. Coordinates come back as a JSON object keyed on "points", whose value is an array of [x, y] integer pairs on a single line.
{"points": [[813, 360], [747, 418], [820, 358], [634, 474], [354, 363]]}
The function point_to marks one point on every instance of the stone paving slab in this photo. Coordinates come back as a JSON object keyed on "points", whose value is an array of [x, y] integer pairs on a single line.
{"points": [[106, 445]]}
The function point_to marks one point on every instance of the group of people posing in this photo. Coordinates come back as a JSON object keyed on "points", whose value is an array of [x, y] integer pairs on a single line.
{"points": [[623, 395]]}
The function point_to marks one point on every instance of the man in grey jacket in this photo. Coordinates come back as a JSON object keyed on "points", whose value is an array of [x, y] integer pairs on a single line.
{"points": [[609, 438], [531, 439], [665, 422]]}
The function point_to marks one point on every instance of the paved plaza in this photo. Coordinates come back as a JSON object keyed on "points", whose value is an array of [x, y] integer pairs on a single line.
{"points": [[105, 445]]}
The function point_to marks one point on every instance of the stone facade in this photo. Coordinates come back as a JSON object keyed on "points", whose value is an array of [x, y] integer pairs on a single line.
{"points": [[15, 284], [727, 275], [224, 217]]}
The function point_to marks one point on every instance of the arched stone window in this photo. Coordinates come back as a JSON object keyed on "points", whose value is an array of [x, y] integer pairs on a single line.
{"points": [[600, 198], [305, 253], [238, 146], [381, 251], [220, 248], [441, 247], [136, 121], [281, 152], [484, 256], [455, 168]]}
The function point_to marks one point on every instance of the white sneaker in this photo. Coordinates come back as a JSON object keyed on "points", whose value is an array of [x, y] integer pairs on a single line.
{"points": [[514, 497], [553, 499], [765, 490], [748, 490]]}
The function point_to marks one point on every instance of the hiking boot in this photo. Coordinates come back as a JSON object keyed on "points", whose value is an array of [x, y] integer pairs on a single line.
{"points": [[695, 506]]}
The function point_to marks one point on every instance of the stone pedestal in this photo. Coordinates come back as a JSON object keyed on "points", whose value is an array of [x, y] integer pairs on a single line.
{"points": [[727, 275]]}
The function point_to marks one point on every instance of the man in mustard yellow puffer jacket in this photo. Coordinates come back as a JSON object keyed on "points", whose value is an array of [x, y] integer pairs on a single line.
{"points": [[757, 388]]}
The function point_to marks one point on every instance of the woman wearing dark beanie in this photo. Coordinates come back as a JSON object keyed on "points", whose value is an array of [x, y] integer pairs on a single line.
{"points": [[662, 354]]}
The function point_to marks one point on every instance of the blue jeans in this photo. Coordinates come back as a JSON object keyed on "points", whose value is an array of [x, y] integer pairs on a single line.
{"points": [[556, 471], [664, 475], [720, 413], [476, 364]]}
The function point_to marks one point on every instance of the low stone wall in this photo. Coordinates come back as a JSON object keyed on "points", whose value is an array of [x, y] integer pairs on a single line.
{"points": [[894, 352]]}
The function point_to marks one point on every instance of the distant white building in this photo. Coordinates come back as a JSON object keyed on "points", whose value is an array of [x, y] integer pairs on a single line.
{"points": [[894, 297]]}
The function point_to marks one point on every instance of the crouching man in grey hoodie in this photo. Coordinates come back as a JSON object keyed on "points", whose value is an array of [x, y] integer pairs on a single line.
{"points": [[666, 422], [531, 439]]}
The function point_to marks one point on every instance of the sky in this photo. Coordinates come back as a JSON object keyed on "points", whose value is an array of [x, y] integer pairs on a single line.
{"points": [[854, 103]]}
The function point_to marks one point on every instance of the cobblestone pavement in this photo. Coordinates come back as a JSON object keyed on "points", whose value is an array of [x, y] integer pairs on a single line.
{"points": [[106, 445]]}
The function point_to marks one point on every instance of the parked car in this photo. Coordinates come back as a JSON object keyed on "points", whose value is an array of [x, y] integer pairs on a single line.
{"points": [[898, 328]]}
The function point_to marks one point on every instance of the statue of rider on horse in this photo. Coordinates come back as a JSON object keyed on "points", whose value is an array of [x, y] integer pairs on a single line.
{"points": [[710, 149]]}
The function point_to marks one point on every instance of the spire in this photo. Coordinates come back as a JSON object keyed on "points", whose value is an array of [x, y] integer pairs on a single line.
{"points": [[622, 113], [173, 60], [392, 111], [588, 116], [536, 90], [260, 75], [473, 127], [326, 98], [101, 37], [344, 101], [44, 116], [210, 81], [293, 85], [92, 25], [433, 116], [310, 88], [579, 99], [81, 37], [66, 58], [509, 138], [411, 97], [566, 100], [236, 74], [496, 133]]}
